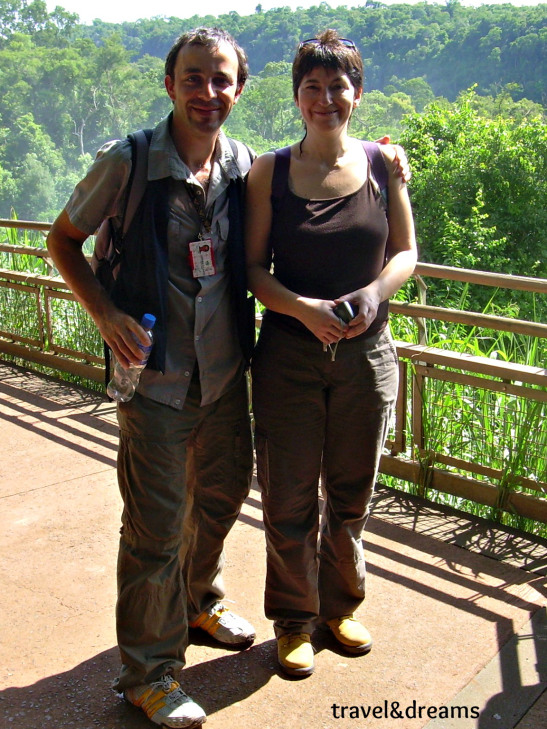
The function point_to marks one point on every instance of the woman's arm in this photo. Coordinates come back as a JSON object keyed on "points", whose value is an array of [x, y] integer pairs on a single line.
{"points": [[315, 314], [401, 253]]}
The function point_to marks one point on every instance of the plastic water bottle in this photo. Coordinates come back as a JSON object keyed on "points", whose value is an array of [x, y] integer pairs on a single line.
{"points": [[124, 382]]}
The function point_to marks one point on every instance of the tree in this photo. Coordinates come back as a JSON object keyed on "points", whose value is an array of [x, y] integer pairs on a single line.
{"points": [[266, 114], [380, 114], [8, 192], [32, 18], [417, 89], [85, 84], [478, 191]]}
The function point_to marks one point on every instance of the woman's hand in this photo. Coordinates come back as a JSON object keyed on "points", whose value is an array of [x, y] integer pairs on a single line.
{"points": [[366, 300], [318, 316]]}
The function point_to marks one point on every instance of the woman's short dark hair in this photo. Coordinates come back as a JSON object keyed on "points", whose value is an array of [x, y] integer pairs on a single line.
{"points": [[327, 50], [210, 38]]}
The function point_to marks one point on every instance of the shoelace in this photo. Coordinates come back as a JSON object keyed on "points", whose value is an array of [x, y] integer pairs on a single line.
{"points": [[164, 683], [173, 696], [293, 637]]}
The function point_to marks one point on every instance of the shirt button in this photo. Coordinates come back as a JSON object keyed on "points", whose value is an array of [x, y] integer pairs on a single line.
{"points": [[176, 402], [200, 299], [197, 338], [187, 374]]}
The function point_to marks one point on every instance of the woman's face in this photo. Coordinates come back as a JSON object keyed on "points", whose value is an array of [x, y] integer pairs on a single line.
{"points": [[326, 99]]}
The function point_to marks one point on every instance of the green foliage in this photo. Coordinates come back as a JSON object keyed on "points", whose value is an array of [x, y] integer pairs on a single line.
{"points": [[65, 88], [479, 157], [266, 115], [489, 428], [478, 192], [8, 189], [379, 114], [73, 328], [448, 45], [79, 95], [417, 89]]}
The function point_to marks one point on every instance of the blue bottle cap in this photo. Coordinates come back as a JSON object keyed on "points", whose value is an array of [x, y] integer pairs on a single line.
{"points": [[148, 321]]}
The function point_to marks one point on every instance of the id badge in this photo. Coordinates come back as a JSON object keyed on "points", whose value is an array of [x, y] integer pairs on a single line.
{"points": [[202, 258]]}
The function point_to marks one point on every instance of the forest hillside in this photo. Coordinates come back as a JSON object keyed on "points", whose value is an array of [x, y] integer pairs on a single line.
{"points": [[463, 89]]}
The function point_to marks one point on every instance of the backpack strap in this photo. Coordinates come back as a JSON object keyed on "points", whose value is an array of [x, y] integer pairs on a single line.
{"points": [[136, 185], [282, 163], [249, 156], [280, 177], [378, 166], [138, 177]]}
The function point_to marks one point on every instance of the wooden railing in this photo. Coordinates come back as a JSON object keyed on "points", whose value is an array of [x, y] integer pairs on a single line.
{"points": [[420, 447]]}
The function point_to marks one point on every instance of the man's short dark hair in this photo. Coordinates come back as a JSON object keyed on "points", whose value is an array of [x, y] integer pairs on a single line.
{"points": [[210, 38]]}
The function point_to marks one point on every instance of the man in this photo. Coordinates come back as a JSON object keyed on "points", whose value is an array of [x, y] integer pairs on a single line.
{"points": [[185, 436]]}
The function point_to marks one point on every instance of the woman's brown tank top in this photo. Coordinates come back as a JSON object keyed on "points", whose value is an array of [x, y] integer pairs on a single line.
{"points": [[326, 248]]}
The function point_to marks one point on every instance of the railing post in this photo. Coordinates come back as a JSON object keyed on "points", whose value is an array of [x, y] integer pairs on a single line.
{"points": [[418, 381], [399, 442], [422, 300]]}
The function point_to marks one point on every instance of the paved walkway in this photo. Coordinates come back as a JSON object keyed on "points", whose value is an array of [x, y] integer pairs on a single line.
{"points": [[456, 606]]}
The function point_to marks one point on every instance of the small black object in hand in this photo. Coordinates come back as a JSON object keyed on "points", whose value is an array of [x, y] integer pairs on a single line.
{"points": [[345, 311]]}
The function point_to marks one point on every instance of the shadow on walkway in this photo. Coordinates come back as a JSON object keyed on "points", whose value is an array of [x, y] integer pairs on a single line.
{"points": [[81, 697], [453, 627]]}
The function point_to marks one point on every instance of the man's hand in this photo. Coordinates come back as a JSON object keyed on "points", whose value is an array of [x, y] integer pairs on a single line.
{"points": [[400, 161], [123, 334], [120, 331]]}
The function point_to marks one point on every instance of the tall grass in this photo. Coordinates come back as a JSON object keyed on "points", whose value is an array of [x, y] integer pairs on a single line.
{"points": [[23, 262], [496, 430], [72, 327]]}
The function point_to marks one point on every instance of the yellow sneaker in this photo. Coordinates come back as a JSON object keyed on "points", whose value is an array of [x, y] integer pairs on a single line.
{"points": [[351, 635], [295, 654]]}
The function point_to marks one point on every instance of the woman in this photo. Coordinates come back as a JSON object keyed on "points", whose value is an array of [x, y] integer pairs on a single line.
{"points": [[323, 391]]}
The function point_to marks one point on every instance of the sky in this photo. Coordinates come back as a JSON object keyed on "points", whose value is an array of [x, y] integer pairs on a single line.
{"points": [[115, 12]]}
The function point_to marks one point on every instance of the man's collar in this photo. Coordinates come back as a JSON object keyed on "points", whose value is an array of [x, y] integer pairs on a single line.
{"points": [[164, 160]]}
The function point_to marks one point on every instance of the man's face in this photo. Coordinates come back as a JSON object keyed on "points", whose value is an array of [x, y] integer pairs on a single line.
{"points": [[204, 88]]}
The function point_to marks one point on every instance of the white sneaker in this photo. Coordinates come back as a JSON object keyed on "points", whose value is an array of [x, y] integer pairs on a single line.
{"points": [[164, 702], [225, 626]]}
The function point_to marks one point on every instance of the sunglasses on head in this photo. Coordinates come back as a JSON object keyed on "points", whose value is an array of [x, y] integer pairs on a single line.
{"points": [[316, 42]]}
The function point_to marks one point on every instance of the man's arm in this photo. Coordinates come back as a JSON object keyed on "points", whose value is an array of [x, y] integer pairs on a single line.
{"points": [[117, 328], [400, 163]]}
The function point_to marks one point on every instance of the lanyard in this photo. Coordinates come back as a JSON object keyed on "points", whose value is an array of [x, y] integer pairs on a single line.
{"points": [[199, 203]]}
